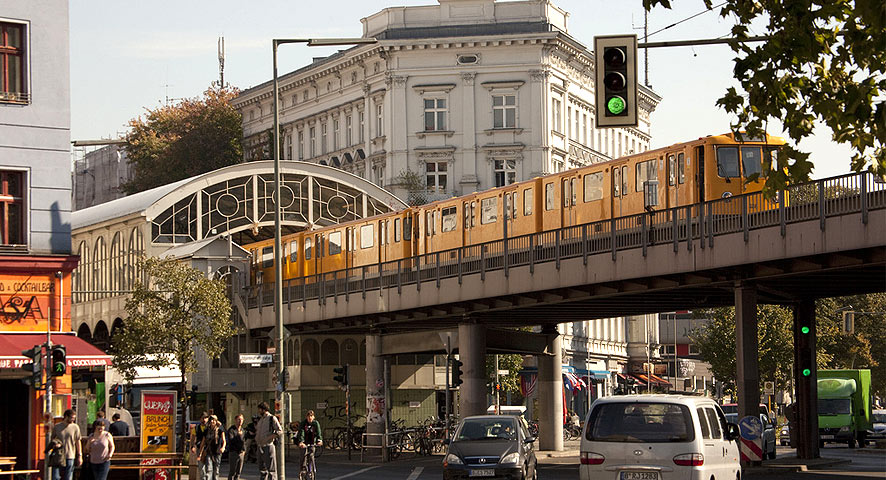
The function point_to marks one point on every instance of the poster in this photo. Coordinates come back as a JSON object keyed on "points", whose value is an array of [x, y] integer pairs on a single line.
{"points": [[158, 421]]}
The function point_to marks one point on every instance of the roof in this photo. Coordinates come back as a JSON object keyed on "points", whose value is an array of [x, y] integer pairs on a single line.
{"points": [[189, 249], [121, 207], [657, 398]]}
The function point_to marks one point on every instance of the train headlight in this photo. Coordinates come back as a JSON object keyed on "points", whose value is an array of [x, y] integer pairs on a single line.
{"points": [[726, 194]]}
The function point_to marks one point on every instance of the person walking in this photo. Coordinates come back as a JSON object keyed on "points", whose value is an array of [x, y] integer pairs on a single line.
{"points": [[212, 448], [101, 448], [199, 434], [119, 428], [308, 435], [67, 432], [100, 416], [236, 445], [267, 432]]}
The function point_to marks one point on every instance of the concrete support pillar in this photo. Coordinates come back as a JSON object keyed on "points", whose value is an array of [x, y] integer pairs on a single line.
{"points": [[472, 353], [747, 371], [376, 410], [804, 415], [550, 393]]}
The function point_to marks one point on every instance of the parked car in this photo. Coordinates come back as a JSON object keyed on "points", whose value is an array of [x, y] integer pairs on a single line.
{"points": [[490, 446], [878, 427], [784, 435], [768, 433], [658, 437]]}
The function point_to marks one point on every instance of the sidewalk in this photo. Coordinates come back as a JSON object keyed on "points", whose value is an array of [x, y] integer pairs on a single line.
{"points": [[793, 464]]}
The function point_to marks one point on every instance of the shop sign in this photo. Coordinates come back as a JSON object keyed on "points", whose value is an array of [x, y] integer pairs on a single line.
{"points": [[26, 302], [158, 421]]}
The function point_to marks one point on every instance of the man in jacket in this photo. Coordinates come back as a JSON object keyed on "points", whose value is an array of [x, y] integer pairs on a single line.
{"points": [[267, 432]]}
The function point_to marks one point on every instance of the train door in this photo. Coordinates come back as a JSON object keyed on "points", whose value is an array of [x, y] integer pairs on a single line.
{"points": [[319, 238], [470, 219], [383, 242], [620, 174], [672, 197], [728, 161], [700, 179], [569, 200]]}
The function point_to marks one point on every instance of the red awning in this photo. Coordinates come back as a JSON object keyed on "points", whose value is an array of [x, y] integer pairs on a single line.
{"points": [[656, 380], [80, 353]]}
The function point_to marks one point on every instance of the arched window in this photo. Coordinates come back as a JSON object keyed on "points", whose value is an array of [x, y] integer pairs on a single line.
{"points": [[99, 269], [133, 254], [101, 338], [81, 275], [350, 352], [329, 352], [363, 352], [310, 352], [292, 351], [116, 258], [84, 333]]}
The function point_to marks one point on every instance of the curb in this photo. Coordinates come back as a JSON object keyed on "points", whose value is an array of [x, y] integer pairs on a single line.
{"points": [[794, 467], [560, 454]]}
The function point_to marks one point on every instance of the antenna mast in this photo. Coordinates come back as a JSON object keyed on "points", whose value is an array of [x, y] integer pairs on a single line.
{"points": [[221, 61]]}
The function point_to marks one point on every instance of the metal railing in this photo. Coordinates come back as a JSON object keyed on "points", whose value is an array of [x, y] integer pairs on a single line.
{"points": [[682, 227]]}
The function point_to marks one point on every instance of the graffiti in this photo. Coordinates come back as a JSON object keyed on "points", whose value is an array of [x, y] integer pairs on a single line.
{"points": [[15, 309], [375, 409]]}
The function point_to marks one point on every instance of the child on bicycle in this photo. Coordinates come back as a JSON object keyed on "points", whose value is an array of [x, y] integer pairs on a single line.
{"points": [[308, 435]]}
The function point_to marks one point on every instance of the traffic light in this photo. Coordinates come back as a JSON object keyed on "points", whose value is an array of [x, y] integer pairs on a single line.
{"points": [[456, 373], [59, 361], [615, 61], [35, 367], [804, 341], [341, 375]]}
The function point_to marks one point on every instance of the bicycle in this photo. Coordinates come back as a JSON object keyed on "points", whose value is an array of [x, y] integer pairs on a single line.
{"points": [[308, 469]]}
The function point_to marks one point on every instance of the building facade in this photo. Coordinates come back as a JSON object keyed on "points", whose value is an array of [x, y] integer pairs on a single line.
{"points": [[35, 229], [99, 176], [457, 97]]}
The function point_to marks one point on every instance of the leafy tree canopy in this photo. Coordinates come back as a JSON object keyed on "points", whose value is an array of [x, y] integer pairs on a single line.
{"points": [[174, 142], [824, 62], [513, 363]]}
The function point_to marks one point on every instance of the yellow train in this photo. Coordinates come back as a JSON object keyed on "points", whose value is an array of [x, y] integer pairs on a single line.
{"points": [[682, 174]]}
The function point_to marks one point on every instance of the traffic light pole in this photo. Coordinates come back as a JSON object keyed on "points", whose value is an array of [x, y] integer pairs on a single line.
{"points": [[448, 405]]}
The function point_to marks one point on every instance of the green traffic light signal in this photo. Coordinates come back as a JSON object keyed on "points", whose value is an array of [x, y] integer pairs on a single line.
{"points": [[616, 105], [807, 372], [804, 329]]}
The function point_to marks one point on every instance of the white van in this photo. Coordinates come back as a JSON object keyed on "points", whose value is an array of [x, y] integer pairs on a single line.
{"points": [[659, 437]]}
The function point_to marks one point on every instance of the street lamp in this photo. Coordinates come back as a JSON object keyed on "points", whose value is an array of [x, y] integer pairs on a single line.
{"points": [[278, 214]]}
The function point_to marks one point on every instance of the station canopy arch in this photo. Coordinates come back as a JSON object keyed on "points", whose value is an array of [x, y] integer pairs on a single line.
{"points": [[239, 201]]}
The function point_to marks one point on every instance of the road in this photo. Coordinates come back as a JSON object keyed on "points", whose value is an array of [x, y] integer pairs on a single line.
{"points": [[335, 466]]}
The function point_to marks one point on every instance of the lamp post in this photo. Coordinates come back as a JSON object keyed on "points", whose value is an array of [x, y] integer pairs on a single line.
{"points": [[278, 214]]}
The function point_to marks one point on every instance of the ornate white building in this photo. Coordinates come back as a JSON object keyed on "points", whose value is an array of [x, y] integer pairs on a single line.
{"points": [[457, 97]]}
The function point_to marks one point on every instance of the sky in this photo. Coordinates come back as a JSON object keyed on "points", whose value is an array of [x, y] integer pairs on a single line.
{"points": [[127, 56]]}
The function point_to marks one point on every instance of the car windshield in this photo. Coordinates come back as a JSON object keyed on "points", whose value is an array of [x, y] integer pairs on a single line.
{"points": [[729, 408], [834, 406], [487, 429], [879, 418], [732, 417], [641, 422]]}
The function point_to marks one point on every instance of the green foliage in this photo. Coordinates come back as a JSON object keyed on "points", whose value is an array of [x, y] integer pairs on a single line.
{"points": [[824, 62], [415, 187], [513, 363], [174, 142], [178, 312], [866, 348]]}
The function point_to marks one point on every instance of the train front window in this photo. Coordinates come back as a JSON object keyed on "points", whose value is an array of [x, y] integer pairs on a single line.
{"points": [[751, 161], [727, 162]]}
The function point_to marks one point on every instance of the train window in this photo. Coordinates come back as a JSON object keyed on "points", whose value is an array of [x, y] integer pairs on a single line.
{"points": [[593, 186], [429, 224], [473, 214], [645, 172], [727, 162], [624, 180], [407, 228], [573, 191], [549, 196], [467, 215], [450, 219], [488, 210], [321, 246], [352, 243], [308, 248], [366, 234], [513, 203], [335, 243], [565, 192], [616, 182], [267, 257], [681, 169], [293, 251], [751, 161], [527, 201], [382, 232], [396, 229], [672, 170]]}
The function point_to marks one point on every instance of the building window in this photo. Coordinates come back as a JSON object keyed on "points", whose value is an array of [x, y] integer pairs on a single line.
{"points": [[313, 141], [557, 114], [323, 138], [12, 63], [305, 96], [584, 128], [301, 145], [505, 172], [348, 124], [378, 175], [379, 120], [576, 129], [362, 126], [288, 152], [12, 208], [504, 111], [436, 176], [569, 120], [435, 114], [335, 132]]}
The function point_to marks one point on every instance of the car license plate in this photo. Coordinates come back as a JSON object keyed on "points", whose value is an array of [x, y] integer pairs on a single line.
{"points": [[483, 472], [827, 437], [639, 475]]}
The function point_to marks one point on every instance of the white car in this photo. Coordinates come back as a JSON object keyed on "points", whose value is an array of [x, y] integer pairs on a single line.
{"points": [[659, 437]]}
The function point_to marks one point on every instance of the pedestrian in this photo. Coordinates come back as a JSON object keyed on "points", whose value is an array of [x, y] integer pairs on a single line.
{"points": [[101, 448], [213, 447], [196, 448], [267, 432], [100, 416], [67, 432], [119, 428], [236, 446], [308, 434]]}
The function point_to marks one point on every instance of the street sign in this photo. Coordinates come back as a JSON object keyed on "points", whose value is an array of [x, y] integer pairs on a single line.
{"points": [[769, 388], [751, 445], [504, 372], [256, 358]]}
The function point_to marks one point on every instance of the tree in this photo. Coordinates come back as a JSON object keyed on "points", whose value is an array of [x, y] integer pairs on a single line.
{"points": [[176, 313], [824, 62], [866, 347], [513, 363], [174, 142]]}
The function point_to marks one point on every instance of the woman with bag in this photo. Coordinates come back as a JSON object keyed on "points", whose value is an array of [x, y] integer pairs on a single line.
{"points": [[212, 448], [100, 448]]}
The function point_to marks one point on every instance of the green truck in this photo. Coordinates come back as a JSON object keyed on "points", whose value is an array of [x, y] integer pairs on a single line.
{"points": [[844, 406]]}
